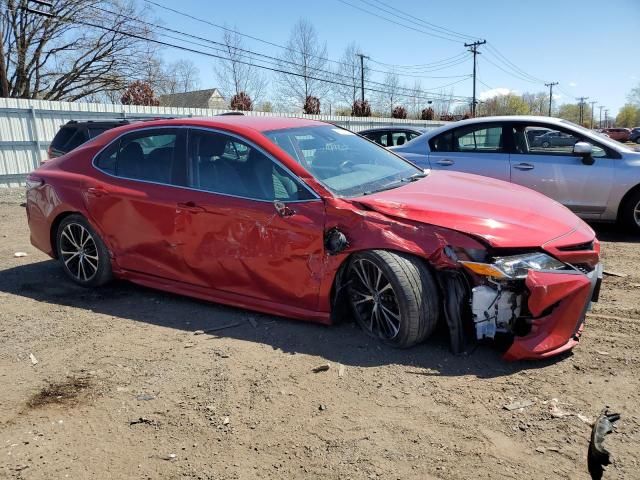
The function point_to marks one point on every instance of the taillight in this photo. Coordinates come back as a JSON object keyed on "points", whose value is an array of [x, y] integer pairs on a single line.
{"points": [[33, 182]]}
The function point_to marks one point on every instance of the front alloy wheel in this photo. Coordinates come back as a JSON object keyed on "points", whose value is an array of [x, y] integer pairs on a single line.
{"points": [[393, 297]]}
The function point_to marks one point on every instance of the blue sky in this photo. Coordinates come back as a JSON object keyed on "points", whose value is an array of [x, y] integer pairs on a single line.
{"points": [[589, 46]]}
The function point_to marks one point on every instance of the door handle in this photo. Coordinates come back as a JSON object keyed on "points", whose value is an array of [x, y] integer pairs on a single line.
{"points": [[524, 166], [445, 162], [97, 191], [192, 207]]}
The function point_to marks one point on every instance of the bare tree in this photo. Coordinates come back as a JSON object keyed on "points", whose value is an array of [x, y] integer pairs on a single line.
{"points": [[390, 93], [306, 58], [415, 101], [349, 72], [182, 76], [237, 73], [76, 53]]}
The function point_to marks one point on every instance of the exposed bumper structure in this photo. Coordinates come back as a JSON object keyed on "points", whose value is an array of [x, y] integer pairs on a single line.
{"points": [[558, 303]]}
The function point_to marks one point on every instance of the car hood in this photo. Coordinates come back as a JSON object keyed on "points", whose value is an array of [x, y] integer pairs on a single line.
{"points": [[503, 214]]}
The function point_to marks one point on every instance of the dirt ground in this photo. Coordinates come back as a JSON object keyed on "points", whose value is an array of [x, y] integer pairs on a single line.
{"points": [[123, 388]]}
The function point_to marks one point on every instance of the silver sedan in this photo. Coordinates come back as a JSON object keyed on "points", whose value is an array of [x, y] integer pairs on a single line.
{"points": [[596, 177]]}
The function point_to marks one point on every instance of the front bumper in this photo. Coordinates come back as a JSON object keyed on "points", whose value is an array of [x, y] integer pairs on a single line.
{"points": [[558, 303]]}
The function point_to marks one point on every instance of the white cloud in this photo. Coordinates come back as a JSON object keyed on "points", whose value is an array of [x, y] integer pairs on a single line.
{"points": [[573, 84], [495, 92]]}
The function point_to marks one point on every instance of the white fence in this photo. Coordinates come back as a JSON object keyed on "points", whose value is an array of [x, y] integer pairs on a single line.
{"points": [[28, 126]]}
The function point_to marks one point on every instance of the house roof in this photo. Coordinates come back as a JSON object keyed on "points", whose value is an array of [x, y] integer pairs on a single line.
{"points": [[195, 99]]}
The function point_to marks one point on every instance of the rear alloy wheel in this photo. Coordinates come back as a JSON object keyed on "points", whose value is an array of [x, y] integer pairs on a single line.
{"points": [[83, 255], [630, 212], [393, 297], [545, 144]]}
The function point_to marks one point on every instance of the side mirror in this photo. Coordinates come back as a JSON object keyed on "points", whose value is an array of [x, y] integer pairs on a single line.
{"points": [[585, 149]]}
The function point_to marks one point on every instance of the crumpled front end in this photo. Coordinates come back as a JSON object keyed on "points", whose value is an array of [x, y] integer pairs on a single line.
{"points": [[540, 310], [557, 303]]}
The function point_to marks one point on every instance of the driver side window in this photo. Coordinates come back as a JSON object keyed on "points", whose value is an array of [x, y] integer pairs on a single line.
{"points": [[534, 140]]}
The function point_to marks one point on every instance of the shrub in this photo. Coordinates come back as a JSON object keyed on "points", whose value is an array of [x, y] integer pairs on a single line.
{"points": [[242, 102], [139, 93], [361, 108], [312, 105], [427, 114], [399, 112]]}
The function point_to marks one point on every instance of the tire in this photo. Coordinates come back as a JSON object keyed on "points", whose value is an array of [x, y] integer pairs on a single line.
{"points": [[638, 140], [82, 253], [405, 297], [546, 144], [630, 212]]}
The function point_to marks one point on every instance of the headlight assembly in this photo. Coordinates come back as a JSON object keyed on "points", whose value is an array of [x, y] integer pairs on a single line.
{"points": [[515, 266]]}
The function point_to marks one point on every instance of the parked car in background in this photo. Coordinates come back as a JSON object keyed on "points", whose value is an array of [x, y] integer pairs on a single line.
{"points": [[594, 176], [300, 218], [634, 135], [73, 134], [392, 136], [619, 134], [553, 138]]}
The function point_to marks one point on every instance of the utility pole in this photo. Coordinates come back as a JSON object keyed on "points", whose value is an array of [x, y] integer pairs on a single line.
{"points": [[592, 104], [581, 104], [473, 47], [600, 122], [606, 118], [550, 85], [362, 57]]}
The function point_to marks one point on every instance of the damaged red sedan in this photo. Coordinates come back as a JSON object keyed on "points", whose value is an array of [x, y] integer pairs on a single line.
{"points": [[307, 220]]}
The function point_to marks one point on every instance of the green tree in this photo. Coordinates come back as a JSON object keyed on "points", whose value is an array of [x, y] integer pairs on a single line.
{"points": [[628, 116], [503, 105], [571, 112]]}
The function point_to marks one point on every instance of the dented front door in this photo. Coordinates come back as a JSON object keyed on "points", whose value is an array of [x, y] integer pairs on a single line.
{"points": [[250, 247]]}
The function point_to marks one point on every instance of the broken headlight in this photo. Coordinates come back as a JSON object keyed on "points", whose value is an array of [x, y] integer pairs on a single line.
{"points": [[515, 266]]}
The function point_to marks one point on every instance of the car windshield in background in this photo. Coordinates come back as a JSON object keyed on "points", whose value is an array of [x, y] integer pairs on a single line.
{"points": [[344, 162]]}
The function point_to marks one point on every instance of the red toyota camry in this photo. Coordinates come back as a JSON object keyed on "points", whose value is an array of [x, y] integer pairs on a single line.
{"points": [[303, 219]]}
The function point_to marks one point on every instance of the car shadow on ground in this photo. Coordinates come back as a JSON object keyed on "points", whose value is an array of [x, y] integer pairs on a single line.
{"points": [[612, 232], [343, 343]]}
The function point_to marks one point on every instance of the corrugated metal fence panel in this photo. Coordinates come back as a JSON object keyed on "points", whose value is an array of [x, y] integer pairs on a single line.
{"points": [[28, 126]]}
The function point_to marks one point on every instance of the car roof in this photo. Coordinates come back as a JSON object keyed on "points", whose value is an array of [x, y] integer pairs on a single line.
{"points": [[393, 127], [502, 118], [233, 122]]}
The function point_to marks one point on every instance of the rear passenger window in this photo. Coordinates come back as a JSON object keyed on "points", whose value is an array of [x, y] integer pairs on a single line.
{"points": [[149, 156], [76, 140], [223, 164], [474, 139]]}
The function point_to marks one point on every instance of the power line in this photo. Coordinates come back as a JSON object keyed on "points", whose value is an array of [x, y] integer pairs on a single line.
{"points": [[275, 62], [261, 40], [512, 65], [209, 54], [429, 24], [428, 66], [453, 36], [412, 19], [398, 23]]}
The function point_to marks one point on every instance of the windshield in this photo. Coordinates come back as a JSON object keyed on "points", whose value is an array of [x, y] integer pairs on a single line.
{"points": [[347, 164]]}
